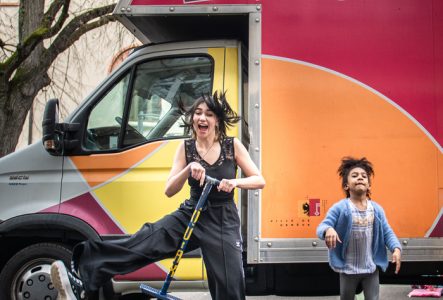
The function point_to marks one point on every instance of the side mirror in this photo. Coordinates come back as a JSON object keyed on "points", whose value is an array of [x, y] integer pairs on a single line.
{"points": [[51, 137]]}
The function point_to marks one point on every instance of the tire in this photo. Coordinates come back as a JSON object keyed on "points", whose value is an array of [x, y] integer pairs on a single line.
{"points": [[27, 274]]}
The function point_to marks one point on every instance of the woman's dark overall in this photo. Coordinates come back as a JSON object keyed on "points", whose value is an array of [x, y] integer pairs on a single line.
{"points": [[217, 233]]}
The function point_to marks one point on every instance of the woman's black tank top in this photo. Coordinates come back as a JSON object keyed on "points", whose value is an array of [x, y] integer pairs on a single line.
{"points": [[224, 168]]}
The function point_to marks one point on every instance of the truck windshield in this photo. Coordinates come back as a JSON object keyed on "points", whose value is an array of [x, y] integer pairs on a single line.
{"points": [[153, 112]]}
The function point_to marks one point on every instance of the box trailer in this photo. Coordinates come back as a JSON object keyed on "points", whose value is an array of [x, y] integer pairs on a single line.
{"points": [[313, 80]]}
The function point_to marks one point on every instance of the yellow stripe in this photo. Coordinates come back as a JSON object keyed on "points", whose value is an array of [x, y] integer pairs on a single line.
{"points": [[138, 196], [218, 54], [226, 77], [231, 83], [189, 268]]}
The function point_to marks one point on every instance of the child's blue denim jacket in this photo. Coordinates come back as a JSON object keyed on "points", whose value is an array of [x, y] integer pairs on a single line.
{"points": [[339, 217]]}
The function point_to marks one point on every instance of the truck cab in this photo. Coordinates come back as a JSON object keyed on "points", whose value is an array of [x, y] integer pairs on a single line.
{"points": [[101, 173]]}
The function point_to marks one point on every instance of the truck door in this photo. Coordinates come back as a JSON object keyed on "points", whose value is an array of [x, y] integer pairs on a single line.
{"points": [[132, 126]]}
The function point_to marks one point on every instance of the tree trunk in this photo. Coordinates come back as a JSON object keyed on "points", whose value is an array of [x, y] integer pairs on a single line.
{"points": [[16, 100], [25, 72], [12, 123], [19, 100]]}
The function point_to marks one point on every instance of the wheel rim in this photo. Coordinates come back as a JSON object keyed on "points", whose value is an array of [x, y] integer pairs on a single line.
{"points": [[33, 281]]}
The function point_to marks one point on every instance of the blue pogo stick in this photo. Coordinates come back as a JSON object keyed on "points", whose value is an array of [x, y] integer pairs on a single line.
{"points": [[162, 294]]}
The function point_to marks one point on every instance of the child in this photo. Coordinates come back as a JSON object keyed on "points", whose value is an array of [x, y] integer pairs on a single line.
{"points": [[357, 233]]}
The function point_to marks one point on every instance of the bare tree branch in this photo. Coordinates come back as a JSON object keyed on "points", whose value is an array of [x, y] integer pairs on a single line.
{"points": [[78, 26], [90, 26], [22, 52], [6, 49], [27, 44], [21, 15], [50, 14], [29, 71], [71, 33], [52, 11], [8, 34]]}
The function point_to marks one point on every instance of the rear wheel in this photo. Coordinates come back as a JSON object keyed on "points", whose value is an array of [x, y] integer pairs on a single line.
{"points": [[27, 274]]}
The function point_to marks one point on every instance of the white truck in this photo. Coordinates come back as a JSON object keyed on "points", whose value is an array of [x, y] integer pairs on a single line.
{"points": [[313, 81]]}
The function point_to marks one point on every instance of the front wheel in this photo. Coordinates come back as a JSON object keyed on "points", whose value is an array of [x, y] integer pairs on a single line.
{"points": [[27, 274]]}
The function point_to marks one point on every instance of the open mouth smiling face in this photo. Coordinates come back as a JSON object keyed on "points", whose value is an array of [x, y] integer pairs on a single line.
{"points": [[204, 119], [203, 127]]}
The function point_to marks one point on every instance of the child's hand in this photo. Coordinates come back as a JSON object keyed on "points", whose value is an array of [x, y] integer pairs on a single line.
{"points": [[331, 238], [396, 259]]}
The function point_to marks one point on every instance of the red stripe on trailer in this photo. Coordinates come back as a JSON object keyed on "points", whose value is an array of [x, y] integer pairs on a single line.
{"points": [[387, 45], [149, 272], [186, 2], [438, 229], [86, 208]]}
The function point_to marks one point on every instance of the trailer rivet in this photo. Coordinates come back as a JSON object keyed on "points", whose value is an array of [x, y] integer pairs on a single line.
{"points": [[256, 239], [405, 242], [123, 9], [215, 8], [261, 259], [257, 62], [269, 244], [257, 149], [256, 105], [257, 20], [258, 7], [128, 9], [314, 244], [256, 194], [171, 8]]}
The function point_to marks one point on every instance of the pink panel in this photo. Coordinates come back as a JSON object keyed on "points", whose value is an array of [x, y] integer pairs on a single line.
{"points": [[392, 46], [86, 208], [181, 2], [438, 229], [150, 272], [438, 44]]}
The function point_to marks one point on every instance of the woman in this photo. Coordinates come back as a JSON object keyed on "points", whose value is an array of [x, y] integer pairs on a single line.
{"points": [[210, 151]]}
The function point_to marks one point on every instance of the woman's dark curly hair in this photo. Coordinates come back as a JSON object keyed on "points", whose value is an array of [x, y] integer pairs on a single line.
{"points": [[347, 164], [218, 104]]}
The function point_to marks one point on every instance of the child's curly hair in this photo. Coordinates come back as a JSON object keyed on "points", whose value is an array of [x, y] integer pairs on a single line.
{"points": [[218, 104], [347, 164]]}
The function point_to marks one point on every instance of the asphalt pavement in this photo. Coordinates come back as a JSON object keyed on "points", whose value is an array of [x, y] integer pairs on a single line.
{"points": [[388, 292]]}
